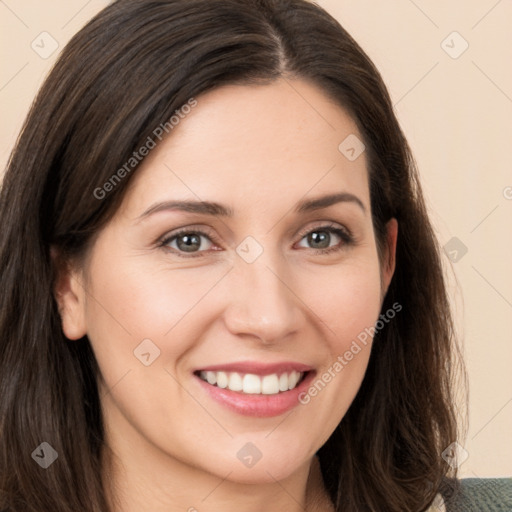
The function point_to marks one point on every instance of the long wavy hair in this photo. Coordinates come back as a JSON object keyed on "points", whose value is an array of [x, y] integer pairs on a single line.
{"points": [[124, 74]]}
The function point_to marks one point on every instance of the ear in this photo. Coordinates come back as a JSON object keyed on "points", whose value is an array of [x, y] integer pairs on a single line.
{"points": [[389, 256], [70, 295]]}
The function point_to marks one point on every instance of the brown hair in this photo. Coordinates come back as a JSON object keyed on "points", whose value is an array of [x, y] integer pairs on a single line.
{"points": [[125, 73]]}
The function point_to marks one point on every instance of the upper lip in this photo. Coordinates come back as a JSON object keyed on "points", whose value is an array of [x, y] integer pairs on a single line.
{"points": [[258, 368]]}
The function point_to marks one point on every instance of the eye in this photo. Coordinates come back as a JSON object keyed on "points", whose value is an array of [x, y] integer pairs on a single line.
{"points": [[326, 239], [188, 241]]}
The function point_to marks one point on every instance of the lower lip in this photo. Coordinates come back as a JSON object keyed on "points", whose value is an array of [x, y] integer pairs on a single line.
{"points": [[261, 406]]}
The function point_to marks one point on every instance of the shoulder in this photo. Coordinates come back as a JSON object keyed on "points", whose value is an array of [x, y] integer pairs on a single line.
{"points": [[478, 495]]}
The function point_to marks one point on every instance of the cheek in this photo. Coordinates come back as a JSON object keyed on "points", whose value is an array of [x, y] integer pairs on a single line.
{"points": [[139, 316], [128, 304], [348, 304], [347, 300]]}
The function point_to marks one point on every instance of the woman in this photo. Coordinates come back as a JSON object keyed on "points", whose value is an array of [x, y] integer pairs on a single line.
{"points": [[221, 287]]}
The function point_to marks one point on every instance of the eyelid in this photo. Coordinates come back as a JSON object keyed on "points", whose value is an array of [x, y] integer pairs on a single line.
{"points": [[323, 225]]}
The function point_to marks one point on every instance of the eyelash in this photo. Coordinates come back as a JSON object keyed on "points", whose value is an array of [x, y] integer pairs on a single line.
{"points": [[346, 237]]}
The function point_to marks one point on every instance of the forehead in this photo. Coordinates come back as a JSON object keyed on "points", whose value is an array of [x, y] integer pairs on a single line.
{"points": [[255, 144]]}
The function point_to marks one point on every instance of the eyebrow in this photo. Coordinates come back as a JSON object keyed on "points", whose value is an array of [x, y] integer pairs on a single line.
{"points": [[219, 210], [326, 201]]}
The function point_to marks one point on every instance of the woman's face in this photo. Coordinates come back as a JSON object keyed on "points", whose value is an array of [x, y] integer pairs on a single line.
{"points": [[243, 254]]}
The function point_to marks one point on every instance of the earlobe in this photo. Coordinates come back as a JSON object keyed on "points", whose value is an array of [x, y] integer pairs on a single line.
{"points": [[70, 297], [390, 255]]}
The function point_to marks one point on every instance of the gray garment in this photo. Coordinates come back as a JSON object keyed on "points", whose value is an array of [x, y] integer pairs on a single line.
{"points": [[479, 495]]}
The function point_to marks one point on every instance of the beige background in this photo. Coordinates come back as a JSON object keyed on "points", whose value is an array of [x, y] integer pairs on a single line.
{"points": [[456, 113]]}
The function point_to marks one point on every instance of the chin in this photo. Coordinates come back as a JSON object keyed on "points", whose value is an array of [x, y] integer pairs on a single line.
{"points": [[264, 460]]}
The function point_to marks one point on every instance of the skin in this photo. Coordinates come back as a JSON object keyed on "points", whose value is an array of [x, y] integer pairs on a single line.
{"points": [[174, 448]]}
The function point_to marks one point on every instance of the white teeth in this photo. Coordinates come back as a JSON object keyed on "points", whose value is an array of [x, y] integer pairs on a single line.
{"points": [[283, 382], [293, 379], [270, 385], [222, 379], [253, 384], [235, 382]]}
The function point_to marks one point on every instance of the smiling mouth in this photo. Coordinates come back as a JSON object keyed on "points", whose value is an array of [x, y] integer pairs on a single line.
{"points": [[251, 384]]}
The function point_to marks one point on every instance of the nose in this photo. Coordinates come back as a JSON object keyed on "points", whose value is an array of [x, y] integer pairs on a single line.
{"points": [[262, 302]]}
